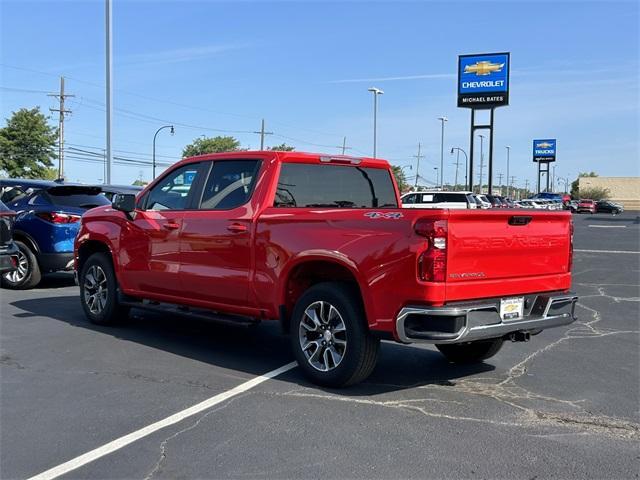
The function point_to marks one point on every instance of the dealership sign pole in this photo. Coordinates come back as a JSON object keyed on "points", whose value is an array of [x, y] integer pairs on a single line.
{"points": [[483, 84], [544, 152]]}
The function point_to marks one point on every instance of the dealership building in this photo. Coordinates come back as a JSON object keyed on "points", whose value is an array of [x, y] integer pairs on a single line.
{"points": [[624, 190]]}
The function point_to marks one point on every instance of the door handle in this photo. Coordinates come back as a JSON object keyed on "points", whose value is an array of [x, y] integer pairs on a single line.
{"points": [[171, 225], [237, 228]]}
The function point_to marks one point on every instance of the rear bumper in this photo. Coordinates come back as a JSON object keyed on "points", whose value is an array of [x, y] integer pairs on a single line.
{"points": [[53, 262], [468, 321]]}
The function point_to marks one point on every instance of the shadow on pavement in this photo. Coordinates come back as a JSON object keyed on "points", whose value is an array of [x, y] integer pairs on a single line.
{"points": [[607, 217], [253, 350]]}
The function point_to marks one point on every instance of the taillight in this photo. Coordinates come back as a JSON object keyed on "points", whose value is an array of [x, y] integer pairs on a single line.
{"points": [[432, 263], [570, 245], [55, 217]]}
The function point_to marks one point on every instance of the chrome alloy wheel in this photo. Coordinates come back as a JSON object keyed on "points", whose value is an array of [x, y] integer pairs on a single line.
{"points": [[323, 336], [20, 273], [95, 289]]}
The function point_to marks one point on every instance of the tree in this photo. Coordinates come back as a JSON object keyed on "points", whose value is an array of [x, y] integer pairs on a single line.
{"points": [[575, 185], [594, 193], [139, 183], [201, 146], [283, 147], [27, 145], [401, 180]]}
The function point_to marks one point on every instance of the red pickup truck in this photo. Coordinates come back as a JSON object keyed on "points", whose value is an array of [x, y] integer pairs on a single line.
{"points": [[322, 244]]}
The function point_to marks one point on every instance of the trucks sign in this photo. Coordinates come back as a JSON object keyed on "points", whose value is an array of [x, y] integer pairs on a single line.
{"points": [[483, 80], [544, 150]]}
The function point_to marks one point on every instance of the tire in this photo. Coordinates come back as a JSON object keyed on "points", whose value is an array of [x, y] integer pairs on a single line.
{"points": [[28, 273], [329, 319], [472, 352], [99, 291]]}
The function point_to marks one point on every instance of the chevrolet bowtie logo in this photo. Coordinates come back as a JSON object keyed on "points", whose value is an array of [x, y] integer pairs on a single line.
{"points": [[483, 68], [544, 145]]}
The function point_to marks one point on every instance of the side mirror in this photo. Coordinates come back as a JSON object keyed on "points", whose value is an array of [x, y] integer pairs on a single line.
{"points": [[125, 202]]}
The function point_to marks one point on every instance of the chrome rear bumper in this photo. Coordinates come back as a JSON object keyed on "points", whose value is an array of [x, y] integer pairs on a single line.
{"points": [[468, 321]]}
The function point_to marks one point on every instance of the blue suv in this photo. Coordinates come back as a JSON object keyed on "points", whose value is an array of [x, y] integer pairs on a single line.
{"points": [[47, 220]]}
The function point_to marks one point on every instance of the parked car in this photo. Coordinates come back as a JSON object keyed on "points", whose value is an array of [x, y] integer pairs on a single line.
{"points": [[458, 200], [607, 206], [496, 201], [586, 205], [46, 223], [510, 203], [572, 206], [484, 201], [8, 249], [110, 190], [319, 243]]}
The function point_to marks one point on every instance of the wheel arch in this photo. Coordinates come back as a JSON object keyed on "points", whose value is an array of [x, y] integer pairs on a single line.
{"points": [[88, 248], [311, 269], [27, 239]]}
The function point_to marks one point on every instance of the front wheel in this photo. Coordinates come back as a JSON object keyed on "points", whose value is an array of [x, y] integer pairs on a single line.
{"points": [[99, 291], [330, 338], [471, 352]]}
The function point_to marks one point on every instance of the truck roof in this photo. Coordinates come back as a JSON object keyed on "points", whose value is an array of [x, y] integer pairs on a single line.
{"points": [[301, 157]]}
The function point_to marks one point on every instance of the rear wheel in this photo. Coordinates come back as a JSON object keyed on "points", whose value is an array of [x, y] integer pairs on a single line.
{"points": [[471, 352], [330, 338], [27, 275], [99, 291]]}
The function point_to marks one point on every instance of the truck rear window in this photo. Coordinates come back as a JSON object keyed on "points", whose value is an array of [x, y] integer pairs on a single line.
{"points": [[334, 186]]}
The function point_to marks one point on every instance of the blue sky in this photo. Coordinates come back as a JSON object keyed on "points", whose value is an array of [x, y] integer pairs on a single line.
{"points": [[305, 67]]}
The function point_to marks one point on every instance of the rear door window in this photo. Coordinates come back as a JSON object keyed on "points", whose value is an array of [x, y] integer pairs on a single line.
{"points": [[334, 186], [230, 184]]}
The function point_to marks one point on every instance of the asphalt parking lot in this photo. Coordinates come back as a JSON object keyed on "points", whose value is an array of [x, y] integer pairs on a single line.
{"points": [[563, 405]]}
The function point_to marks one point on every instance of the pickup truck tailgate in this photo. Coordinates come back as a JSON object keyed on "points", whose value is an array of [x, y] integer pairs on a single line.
{"points": [[507, 252]]}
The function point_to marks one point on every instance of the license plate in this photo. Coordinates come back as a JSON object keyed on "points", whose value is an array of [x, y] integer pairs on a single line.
{"points": [[511, 308]]}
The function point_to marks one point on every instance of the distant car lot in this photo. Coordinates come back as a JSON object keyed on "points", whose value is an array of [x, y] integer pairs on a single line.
{"points": [[563, 405]]}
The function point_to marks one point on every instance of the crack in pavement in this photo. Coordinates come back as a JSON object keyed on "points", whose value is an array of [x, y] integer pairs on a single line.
{"points": [[509, 393], [8, 361], [163, 444]]}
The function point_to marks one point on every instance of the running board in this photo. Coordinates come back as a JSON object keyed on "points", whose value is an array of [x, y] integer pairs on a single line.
{"points": [[199, 313]]}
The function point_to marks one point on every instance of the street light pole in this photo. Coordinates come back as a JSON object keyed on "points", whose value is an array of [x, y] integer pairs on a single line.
{"points": [[109, 100], [436, 169], [154, 146], [508, 185], [481, 160], [466, 161], [376, 92], [442, 120]]}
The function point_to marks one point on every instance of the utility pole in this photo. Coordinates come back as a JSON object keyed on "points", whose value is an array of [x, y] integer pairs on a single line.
{"points": [[262, 133], [500, 182], [61, 110], [344, 145], [509, 183], [418, 157], [526, 185]]}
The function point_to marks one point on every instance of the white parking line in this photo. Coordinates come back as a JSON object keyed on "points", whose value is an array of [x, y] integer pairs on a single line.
{"points": [[121, 442], [607, 251], [608, 226]]}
